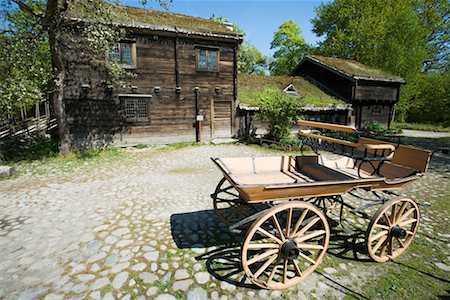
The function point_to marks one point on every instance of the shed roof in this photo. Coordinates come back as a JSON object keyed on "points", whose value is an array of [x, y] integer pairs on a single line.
{"points": [[352, 69], [136, 17], [249, 86]]}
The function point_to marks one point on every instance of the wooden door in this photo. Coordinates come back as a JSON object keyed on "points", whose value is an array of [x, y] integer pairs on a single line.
{"points": [[221, 116]]}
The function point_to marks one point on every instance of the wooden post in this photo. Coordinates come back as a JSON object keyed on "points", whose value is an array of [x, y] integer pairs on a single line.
{"points": [[212, 118]]}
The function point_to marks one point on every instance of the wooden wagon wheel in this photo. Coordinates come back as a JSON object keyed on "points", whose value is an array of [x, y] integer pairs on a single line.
{"points": [[285, 245], [228, 204], [392, 229]]}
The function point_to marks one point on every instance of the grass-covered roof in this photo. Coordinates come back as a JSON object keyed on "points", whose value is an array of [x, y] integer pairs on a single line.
{"points": [[251, 85], [155, 17], [354, 69]]}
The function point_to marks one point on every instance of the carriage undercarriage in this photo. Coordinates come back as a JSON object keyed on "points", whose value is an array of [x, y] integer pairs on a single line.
{"points": [[284, 204]]}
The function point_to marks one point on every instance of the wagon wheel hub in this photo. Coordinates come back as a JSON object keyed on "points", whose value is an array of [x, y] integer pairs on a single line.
{"points": [[398, 232], [289, 250]]}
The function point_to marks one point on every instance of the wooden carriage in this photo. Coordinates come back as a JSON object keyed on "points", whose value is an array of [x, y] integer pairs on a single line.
{"points": [[285, 199]]}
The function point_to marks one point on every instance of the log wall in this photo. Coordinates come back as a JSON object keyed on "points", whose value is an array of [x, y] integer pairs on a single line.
{"points": [[96, 112]]}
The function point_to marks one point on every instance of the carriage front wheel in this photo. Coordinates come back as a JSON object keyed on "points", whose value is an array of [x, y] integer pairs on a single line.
{"points": [[285, 245], [392, 229]]}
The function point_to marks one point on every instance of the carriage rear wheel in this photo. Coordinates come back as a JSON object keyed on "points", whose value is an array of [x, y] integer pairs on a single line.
{"points": [[285, 245], [392, 229], [229, 207]]}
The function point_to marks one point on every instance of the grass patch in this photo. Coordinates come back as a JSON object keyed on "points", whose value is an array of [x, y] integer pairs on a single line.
{"points": [[420, 126]]}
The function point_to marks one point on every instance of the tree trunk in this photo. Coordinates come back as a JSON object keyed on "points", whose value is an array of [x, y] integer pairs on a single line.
{"points": [[54, 18]]}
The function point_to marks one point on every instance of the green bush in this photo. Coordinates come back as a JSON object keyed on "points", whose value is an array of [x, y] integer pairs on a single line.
{"points": [[280, 111]]}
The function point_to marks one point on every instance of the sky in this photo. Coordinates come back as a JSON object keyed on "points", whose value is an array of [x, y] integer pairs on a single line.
{"points": [[258, 18]]}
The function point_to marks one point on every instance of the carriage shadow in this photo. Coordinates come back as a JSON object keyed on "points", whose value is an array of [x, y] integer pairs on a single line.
{"points": [[220, 249]]}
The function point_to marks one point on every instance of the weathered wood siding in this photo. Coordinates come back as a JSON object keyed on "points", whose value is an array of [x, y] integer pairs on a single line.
{"points": [[96, 113]]}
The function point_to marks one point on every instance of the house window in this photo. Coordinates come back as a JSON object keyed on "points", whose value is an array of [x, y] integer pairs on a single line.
{"points": [[136, 109], [375, 110], [125, 54], [207, 59]]}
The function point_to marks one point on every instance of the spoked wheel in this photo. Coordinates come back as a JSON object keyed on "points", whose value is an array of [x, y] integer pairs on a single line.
{"points": [[228, 204], [285, 245], [392, 229]]}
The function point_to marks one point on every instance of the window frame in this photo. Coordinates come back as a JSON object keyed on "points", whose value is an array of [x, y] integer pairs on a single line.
{"points": [[132, 43], [136, 98], [198, 50]]}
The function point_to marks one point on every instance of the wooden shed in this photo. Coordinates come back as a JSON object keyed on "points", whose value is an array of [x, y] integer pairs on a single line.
{"points": [[317, 105], [371, 92], [184, 86]]}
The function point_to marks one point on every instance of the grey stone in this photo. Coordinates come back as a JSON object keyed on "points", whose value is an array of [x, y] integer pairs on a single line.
{"points": [[148, 277], [95, 295], [120, 279], [6, 171], [119, 267], [226, 286], [151, 256], [109, 296], [85, 277], [202, 277], [99, 283], [181, 274], [121, 231], [54, 297], [111, 260], [165, 297], [139, 267], [152, 291], [443, 266], [31, 294], [124, 243], [197, 294], [126, 297], [330, 270], [182, 284], [96, 257]]}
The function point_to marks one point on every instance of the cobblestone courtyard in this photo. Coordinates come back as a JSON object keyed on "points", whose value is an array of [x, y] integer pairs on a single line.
{"points": [[142, 226]]}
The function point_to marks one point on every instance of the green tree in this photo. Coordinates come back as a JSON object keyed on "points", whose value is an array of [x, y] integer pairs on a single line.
{"points": [[280, 111], [382, 33], [290, 48], [25, 67], [250, 60]]}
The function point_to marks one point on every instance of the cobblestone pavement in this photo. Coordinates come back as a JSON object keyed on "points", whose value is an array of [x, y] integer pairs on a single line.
{"points": [[139, 227]]}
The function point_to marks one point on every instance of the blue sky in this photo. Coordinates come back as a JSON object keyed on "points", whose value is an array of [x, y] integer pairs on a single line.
{"points": [[258, 18]]}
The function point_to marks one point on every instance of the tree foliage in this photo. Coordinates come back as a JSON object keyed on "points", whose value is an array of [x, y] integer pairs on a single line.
{"points": [[250, 60], [382, 33], [290, 48], [25, 67], [280, 111]]}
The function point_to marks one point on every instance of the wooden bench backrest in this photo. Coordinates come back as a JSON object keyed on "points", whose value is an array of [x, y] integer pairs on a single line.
{"points": [[407, 156]]}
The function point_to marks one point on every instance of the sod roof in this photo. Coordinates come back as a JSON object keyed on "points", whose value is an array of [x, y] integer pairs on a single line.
{"points": [[249, 86], [354, 69]]}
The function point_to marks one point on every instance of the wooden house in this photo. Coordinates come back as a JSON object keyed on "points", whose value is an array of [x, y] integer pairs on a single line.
{"points": [[317, 105], [371, 92], [184, 86]]}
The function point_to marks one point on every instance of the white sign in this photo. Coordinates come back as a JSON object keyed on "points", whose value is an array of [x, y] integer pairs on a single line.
{"points": [[200, 118]]}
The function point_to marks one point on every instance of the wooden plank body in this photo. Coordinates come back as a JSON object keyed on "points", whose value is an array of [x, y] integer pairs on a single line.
{"points": [[260, 179]]}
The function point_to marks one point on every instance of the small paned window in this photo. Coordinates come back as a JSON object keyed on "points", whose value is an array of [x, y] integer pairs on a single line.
{"points": [[136, 109], [208, 60], [375, 110], [125, 54]]}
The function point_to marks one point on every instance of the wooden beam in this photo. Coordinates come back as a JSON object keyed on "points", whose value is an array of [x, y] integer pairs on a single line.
{"points": [[326, 126]]}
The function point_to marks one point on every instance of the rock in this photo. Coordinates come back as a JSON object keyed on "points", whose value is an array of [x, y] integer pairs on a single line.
{"points": [[197, 294], [151, 256], [126, 297], [152, 291], [121, 231], [99, 283], [226, 286], [274, 295], [165, 266], [6, 171], [96, 257], [181, 274], [109, 296], [85, 277], [124, 243], [202, 277], [95, 295], [182, 284], [330, 270], [443, 266], [139, 267], [120, 279], [119, 267], [165, 297], [54, 297], [148, 277], [111, 260], [215, 295]]}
